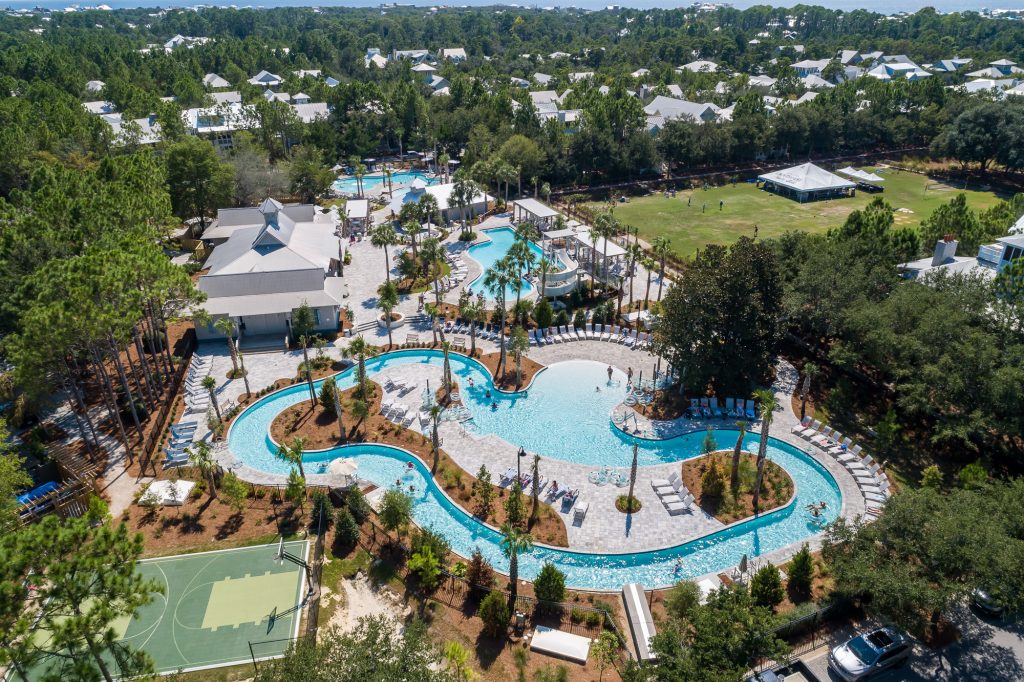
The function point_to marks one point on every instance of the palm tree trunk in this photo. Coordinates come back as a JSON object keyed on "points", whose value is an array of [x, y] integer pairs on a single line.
{"points": [[513, 580], [338, 413], [472, 338], [647, 294], [387, 263], [661, 277]]}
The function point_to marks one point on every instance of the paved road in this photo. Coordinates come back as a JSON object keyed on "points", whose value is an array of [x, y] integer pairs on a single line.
{"points": [[988, 651]]}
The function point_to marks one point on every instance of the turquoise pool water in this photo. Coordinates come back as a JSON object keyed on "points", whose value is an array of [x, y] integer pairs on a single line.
{"points": [[561, 395], [488, 253], [348, 184]]}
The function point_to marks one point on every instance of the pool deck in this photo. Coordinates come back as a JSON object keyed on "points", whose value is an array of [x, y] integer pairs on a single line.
{"points": [[605, 529]]}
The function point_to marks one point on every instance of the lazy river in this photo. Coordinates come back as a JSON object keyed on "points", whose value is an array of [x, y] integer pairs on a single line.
{"points": [[560, 416]]}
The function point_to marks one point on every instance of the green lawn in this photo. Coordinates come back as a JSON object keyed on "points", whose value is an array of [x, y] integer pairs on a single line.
{"points": [[688, 228]]}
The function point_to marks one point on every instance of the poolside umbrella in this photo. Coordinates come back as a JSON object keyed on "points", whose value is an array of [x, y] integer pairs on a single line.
{"points": [[743, 564], [343, 466]]}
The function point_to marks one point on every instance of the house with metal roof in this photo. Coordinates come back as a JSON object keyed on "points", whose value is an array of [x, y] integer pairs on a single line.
{"points": [[269, 266]]}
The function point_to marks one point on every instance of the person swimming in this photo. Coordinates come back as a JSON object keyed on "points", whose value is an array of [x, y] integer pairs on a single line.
{"points": [[471, 381], [494, 405], [488, 394], [597, 389]]}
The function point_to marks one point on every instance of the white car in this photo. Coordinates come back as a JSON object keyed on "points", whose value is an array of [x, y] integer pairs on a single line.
{"points": [[869, 653]]}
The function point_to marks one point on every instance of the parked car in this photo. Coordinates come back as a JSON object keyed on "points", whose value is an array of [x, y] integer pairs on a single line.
{"points": [[985, 602], [869, 653]]}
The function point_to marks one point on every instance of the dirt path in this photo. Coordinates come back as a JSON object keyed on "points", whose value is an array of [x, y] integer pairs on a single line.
{"points": [[360, 600]]}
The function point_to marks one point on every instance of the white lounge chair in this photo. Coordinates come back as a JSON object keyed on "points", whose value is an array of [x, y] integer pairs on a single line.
{"points": [[579, 513], [664, 482], [799, 428], [589, 330]]}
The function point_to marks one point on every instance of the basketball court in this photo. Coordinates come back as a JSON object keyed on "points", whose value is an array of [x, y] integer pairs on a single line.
{"points": [[216, 604]]}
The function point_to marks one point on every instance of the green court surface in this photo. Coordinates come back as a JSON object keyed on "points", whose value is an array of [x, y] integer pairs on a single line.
{"points": [[215, 604]]}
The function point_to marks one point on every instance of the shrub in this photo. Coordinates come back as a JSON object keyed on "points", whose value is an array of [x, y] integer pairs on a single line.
{"points": [[713, 482], [682, 599], [428, 538], [346, 530], [357, 504], [327, 391], [549, 585], [579, 320], [494, 613], [576, 616], [766, 587], [479, 573], [562, 319], [321, 510], [931, 477], [801, 571], [543, 314], [593, 619], [426, 567], [973, 476]]}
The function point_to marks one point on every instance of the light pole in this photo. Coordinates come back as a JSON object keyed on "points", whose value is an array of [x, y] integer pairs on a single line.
{"points": [[519, 465]]}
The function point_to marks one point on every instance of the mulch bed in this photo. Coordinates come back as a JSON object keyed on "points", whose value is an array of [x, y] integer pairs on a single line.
{"points": [[776, 486], [507, 382]]}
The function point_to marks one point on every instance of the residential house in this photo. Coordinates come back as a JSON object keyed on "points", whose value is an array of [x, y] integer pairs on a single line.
{"points": [[99, 107], [454, 54], [215, 82], [997, 70], [374, 58], [640, 73], [137, 131], [699, 66], [219, 123], [93, 87], [331, 82], [669, 108], [849, 57], [300, 98], [424, 71], [815, 82], [580, 76], [810, 67], [414, 56], [542, 78], [311, 73], [762, 82], [272, 96], [519, 82], [991, 258], [275, 259], [229, 97], [950, 65], [266, 79], [308, 112]]}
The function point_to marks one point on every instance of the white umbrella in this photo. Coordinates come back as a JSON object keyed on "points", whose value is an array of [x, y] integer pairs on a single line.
{"points": [[342, 466], [743, 564]]}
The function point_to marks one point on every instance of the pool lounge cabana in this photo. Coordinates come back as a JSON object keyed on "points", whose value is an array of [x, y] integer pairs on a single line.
{"points": [[807, 182], [532, 211]]}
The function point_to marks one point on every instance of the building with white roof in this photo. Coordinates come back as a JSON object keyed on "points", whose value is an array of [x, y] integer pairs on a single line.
{"points": [[266, 79], [806, 182], [99, 107], [137, 131], [454, 54], [94, 86], [699, 66], [215, 82], [807, 67], [991, 258], [669, 108], [443, 194], [374, 58], [275, 259]]}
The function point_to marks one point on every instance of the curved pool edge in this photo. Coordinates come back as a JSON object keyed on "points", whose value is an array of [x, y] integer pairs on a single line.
{"points": [[656, 580]]}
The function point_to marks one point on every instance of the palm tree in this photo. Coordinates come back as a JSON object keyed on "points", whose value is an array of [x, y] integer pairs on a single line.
{"points": [[496, 280], [607, 226], [768, 405], [544, 266], [359, 349], [435, 441], [545, 189], [518, 346], [446, 372], [535, 180], [387, 179], [360, 171], [633, 253], [432, 310], [661, 248], [432, 253], [387, 301], [472, 312], [811, 372], [360, 410], [200, 455], [293, 455], [382, 237], [734, 477], [594, 234], [210, 384], [463, 191], [336, 393], [226, 326], [443, 162], [513, 544], [648, 264], [412, 228]]}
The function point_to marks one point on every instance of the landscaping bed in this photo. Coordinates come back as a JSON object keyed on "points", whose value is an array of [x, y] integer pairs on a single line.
{"points": [[776, 487]]}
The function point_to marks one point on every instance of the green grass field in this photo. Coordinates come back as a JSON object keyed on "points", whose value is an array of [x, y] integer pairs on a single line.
{"points": [[214, 605], [745, 205]]}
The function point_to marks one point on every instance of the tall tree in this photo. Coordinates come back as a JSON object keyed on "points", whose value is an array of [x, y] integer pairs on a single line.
{"points": [[199, 183], [514, 543], [768, 404], [292, 454]]}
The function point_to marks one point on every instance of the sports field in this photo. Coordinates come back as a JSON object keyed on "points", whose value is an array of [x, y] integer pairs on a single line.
{"points": [[692, 226], [214, 605]]}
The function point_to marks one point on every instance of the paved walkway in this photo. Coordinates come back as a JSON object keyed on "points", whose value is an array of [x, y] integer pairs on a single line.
{"points": [[605, 529]]}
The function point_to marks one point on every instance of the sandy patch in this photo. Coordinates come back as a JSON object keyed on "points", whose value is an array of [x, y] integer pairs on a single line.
{"points": [[360, 599]]}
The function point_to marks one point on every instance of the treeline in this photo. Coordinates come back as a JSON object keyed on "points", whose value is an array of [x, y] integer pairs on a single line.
{"points": [[934, 367]]}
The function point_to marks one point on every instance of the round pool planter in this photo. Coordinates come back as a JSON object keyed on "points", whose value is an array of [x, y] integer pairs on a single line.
{"points": [[394, 324], [638, 556]]}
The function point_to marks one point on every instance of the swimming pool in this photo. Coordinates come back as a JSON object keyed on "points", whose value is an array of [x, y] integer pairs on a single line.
{"points": [[249, 440], [348, 184], [489, 253]]}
